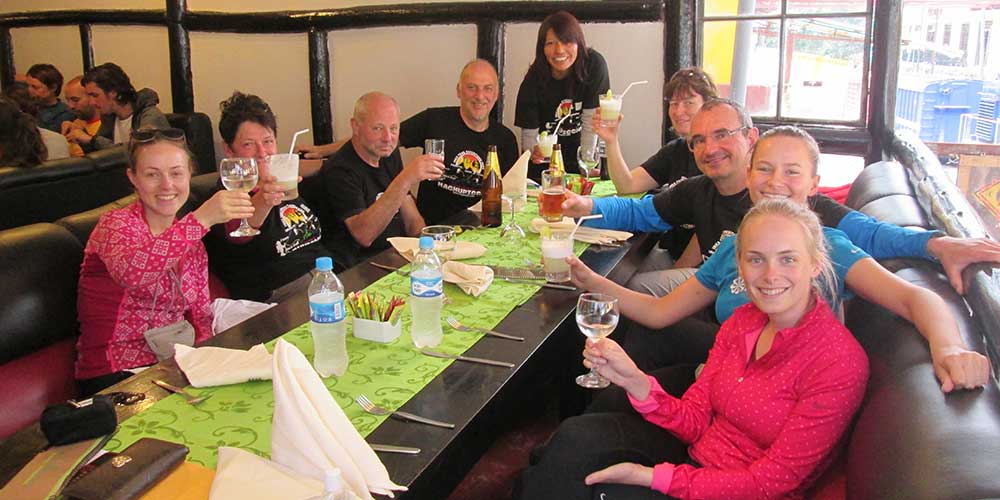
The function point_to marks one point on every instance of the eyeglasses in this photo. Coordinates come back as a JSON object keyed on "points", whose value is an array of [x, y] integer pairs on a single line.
{"points": [[149, 134], [698, 141]]}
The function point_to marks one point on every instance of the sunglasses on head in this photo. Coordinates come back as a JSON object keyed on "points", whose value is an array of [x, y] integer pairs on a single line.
{"points": [[146, 135]]}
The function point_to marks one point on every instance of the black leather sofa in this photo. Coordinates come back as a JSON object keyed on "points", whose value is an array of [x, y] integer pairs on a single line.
{"points": [[910, 440], [57, 188]]}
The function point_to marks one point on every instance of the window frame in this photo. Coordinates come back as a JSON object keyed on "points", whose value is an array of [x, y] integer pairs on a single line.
{"points": [[783, 17]]}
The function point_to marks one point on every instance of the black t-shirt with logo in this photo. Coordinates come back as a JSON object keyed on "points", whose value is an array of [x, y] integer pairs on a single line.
{"points": [[465, 158], [671, 163], [541, 104], [351, 186], [697, 201], [285, 249]]}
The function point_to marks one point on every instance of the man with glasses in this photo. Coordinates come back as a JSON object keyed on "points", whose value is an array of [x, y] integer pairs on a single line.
{"points": [[722, 137], [722, 134]]}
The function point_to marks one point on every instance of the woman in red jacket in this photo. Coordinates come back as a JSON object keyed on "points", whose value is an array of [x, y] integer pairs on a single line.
{"points": [[782, 383]]}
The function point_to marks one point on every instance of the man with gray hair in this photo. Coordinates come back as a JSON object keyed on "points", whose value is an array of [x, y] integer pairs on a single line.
{"points": [[368, 189]]}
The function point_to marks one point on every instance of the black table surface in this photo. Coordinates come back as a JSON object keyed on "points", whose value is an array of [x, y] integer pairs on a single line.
{"points": [[479, 399]]}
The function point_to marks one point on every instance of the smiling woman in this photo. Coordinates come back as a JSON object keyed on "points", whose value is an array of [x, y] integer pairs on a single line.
{"points": [[563, 83], [145, 272]]}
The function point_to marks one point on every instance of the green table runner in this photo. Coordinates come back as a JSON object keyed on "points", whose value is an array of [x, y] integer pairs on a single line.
{"points": [[239, 415]]}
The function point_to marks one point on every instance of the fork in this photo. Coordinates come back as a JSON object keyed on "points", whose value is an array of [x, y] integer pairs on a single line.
{"points": [[367, 405], [454, 323], [191, 400]]}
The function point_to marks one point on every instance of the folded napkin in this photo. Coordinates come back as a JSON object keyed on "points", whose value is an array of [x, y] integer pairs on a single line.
{"points": [[211, 366], [515, 181], [473, 280], [408, 248], [310, 433], [241, 474], [585, 234]]}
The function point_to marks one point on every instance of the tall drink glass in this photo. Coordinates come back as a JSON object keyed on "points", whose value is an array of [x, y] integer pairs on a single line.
{"points": [[552, 195], [545, 144], [597, 316], [444, 240], [285, 167], [611, 107], [556, 246]]}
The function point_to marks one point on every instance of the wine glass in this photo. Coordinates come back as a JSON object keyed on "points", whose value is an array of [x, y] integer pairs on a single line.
{"points": [[597, 317], [588, 161], [511, 231], [239, 174]]}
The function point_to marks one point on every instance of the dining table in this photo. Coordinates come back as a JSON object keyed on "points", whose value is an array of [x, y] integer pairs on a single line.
{"points": [[481, 401]]}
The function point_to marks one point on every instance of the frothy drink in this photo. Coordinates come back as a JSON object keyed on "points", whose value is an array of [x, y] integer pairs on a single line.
{"points": [[286, 168], [611, 107], [555, 248]]}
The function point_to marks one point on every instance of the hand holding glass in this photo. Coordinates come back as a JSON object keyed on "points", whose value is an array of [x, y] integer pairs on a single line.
{"points": [[556, 246], [239, 174], [597, 317]]}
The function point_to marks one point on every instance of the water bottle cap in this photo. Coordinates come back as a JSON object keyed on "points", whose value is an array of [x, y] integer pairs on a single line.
{"points": [[324, 263], [426, 242]]}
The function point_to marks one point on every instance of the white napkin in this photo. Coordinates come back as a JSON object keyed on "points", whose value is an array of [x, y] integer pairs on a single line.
{"points": [[211, 366], [240, 475], [515, 181], [473, 280], [408, 248], [311, 434], [227, 313], [584, 234]]}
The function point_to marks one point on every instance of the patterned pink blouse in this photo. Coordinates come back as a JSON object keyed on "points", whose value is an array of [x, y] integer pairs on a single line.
{"points": [[763, 428], [124, 268]]}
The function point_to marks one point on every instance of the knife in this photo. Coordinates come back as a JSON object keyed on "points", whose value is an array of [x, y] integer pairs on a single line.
{"points": [[390, 268], [388, 448], [544, 284], [467, 359]]}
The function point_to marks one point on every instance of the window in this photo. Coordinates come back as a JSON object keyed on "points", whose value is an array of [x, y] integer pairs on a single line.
{"points": [[948, 92], [790, 60]]}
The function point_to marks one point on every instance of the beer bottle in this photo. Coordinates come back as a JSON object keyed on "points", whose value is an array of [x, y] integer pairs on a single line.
{"points": [[492, 191], [556, 162]]}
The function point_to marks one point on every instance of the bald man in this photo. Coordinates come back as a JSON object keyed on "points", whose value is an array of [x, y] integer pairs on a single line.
{"points": [[468, 132], [367, 186]]}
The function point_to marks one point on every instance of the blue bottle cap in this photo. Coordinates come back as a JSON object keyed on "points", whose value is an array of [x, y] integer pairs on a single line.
{"points": [[426, 242], [324, 264]]}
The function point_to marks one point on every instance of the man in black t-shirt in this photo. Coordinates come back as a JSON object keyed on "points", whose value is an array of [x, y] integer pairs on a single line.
{"points": [[367, 187], [468, 132]]}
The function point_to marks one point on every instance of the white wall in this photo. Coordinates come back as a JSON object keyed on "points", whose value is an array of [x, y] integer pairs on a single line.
{"points": [[417, 65]]}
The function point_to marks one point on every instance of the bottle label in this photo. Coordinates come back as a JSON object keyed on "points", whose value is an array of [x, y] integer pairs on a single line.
{"points": [[326, 312], [426, 287]]}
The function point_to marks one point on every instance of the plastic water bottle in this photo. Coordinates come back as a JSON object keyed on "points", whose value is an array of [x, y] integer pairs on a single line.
{"points": [[326, 320], [333, 487], [426, 296]]}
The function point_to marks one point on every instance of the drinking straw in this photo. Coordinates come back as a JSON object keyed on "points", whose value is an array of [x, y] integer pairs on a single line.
{"points": [[580, 221], [291, 149], [641, 82], [555, 130]]}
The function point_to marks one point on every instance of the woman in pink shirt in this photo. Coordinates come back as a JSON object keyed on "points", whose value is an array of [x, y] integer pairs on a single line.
{"points": [[143, 267], [782, 383]]}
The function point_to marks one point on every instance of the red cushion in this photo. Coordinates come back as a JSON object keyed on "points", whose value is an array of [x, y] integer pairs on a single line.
{"points": [[31, 383], [832, 485]]}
